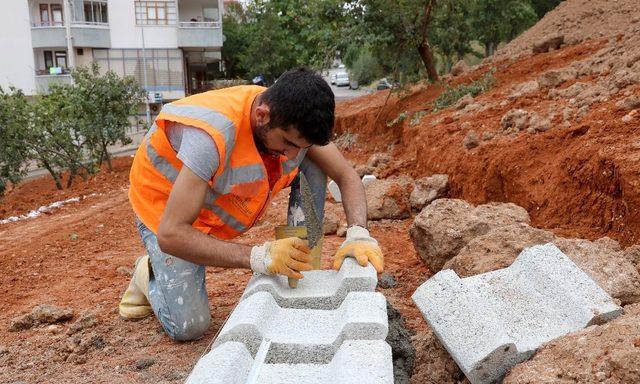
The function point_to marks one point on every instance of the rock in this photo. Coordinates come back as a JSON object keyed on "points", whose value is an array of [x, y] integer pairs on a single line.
{"points": [[608, 353], [379, 160], [330, 223], [3, 350], [40, 314], [459, 68], [553, 78], [539, 124], [471, 140], [86, 320], [629, 103], [625, 77], [607, 265], [464, 101], [362, 170], [126, 271], [389, 198], [402, 351], [427, 189], [514, 121], [445, 226], [54, 329], [342, 231], [548, 42], [496, 249], [569, 92], [433, 364], [386, 281], [633, 255], [487, 135], [629, 116], [523, 89], [143, 364]]}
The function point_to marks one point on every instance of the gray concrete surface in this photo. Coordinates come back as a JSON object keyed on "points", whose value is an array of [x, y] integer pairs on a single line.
{"points": [[319, 289], [356, 362], [331, 329], [492, 321]]}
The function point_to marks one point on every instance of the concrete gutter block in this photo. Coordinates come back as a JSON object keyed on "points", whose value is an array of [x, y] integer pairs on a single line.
{"points": [[320, 289], [492, 321], [305, 335], [355, 362]]}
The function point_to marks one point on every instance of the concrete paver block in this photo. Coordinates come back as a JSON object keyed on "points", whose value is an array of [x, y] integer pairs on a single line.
{"points": [[355, 362], [320, 289], [305, 335], [492, 321]]}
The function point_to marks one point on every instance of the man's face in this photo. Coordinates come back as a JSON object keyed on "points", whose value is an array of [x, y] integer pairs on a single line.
{"points": [[278, 141]]}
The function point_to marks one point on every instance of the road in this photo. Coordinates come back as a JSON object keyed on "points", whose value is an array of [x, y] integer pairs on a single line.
{"points": [[344, 93]]}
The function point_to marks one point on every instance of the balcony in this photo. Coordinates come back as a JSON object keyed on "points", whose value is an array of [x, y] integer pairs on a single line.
{"points": [[84, 34], [44, 80], [199, 34]]}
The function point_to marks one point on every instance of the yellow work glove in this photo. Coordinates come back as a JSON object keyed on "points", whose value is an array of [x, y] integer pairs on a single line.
{"points": [[283, 257], [363, 247]]}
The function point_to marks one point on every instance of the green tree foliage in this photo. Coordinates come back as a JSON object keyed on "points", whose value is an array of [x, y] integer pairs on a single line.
{"points": [[543, 6], [102, 105], [495, 21], [452, 32], [366, 68], [14, 115]]}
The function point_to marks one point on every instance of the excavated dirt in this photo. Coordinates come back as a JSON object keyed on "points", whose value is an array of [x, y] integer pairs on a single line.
{"points": [[574, 168]]}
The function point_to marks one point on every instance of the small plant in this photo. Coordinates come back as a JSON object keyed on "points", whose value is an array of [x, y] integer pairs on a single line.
{"points": [[451, 95], [401, 117], [415, 119]]}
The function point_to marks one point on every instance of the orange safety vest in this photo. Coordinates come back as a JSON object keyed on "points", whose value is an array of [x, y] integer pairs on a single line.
{"points": [[239, 190]]}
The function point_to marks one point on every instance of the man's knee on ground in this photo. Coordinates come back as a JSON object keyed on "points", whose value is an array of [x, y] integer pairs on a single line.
{"points": [[187, 329]]}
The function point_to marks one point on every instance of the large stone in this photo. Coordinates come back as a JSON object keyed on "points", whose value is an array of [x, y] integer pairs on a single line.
{"points": [[389, 198], [547, 43], [556, 77], [41, 314], [496, 249], [514, 121], [464, 101], [459, 68], [490, 322], [446, 225], [427, 189], [608, 353], [606, 263]]}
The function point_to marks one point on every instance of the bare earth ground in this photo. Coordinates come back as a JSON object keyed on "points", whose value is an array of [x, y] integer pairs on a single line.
{"points": [[579, 179]]}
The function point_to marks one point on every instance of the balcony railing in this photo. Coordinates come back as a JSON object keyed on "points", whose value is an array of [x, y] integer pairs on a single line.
{"points": [[47, 72], [199, 24], [60, 24]]}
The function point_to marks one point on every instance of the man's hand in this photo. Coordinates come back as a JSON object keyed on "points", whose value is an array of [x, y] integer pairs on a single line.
{"points": [[284, 257], [361, 246]]}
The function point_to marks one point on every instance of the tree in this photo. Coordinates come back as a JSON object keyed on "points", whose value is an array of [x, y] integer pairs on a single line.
{"points": [[14, 115], [102, 105], [451, 33], [500, 20]]}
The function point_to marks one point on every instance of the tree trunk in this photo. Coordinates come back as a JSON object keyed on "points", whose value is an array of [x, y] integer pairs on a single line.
{"points": [[424, 49], [56, 177], [72, 174], [105, 155], [489, 49]]}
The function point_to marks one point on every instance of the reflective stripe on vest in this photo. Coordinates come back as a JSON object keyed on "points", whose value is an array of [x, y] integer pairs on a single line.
{"points": [[171, 173]]}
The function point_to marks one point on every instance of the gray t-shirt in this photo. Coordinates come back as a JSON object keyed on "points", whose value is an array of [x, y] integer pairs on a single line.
{"points": [[195, 148]]}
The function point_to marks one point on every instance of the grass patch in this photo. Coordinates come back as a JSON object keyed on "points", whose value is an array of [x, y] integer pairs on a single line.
{"points": [[451, 95]]}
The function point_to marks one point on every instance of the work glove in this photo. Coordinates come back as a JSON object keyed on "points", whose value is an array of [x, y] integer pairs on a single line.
{"points": [[283, 257], [363, 247]]}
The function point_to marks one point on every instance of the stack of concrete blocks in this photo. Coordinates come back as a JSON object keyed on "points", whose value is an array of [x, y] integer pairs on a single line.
{"points": [[330, 329], [490, 322]]}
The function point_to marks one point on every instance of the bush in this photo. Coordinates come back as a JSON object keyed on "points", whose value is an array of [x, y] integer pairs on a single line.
{"points": [[451, 95], [366, 68], [14, 114]]}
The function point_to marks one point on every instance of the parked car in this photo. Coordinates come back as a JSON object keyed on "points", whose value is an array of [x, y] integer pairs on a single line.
{"points": [[341, 66], [333, 79], [342, 79], [384, 83]]}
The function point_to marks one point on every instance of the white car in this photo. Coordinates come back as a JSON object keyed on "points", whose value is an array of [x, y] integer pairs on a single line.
{"points": [[333, 79], [342, 79]]}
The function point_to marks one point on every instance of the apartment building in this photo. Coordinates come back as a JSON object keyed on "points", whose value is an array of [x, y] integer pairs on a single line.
{"points": [[175, 43]]}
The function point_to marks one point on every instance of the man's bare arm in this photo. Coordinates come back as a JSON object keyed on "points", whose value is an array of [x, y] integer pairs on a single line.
{"points": [[177, 237], [334, 165]]}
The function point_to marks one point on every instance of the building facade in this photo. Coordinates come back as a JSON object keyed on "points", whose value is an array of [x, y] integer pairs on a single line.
{"points": [[169, 46]]}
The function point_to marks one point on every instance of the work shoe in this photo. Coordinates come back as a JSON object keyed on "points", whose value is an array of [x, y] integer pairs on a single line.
{"points": [[135, 301]]}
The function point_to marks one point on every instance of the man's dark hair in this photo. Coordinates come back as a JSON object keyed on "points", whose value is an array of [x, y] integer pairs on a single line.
{"points": [[302, 98]]}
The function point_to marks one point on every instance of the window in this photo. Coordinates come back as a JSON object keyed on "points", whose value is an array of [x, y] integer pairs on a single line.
{"points": [[210, 14], [48, 59], [56, 15], [80, 51], [61, 59], [96, 12], [161, 12], [44, 14]]}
